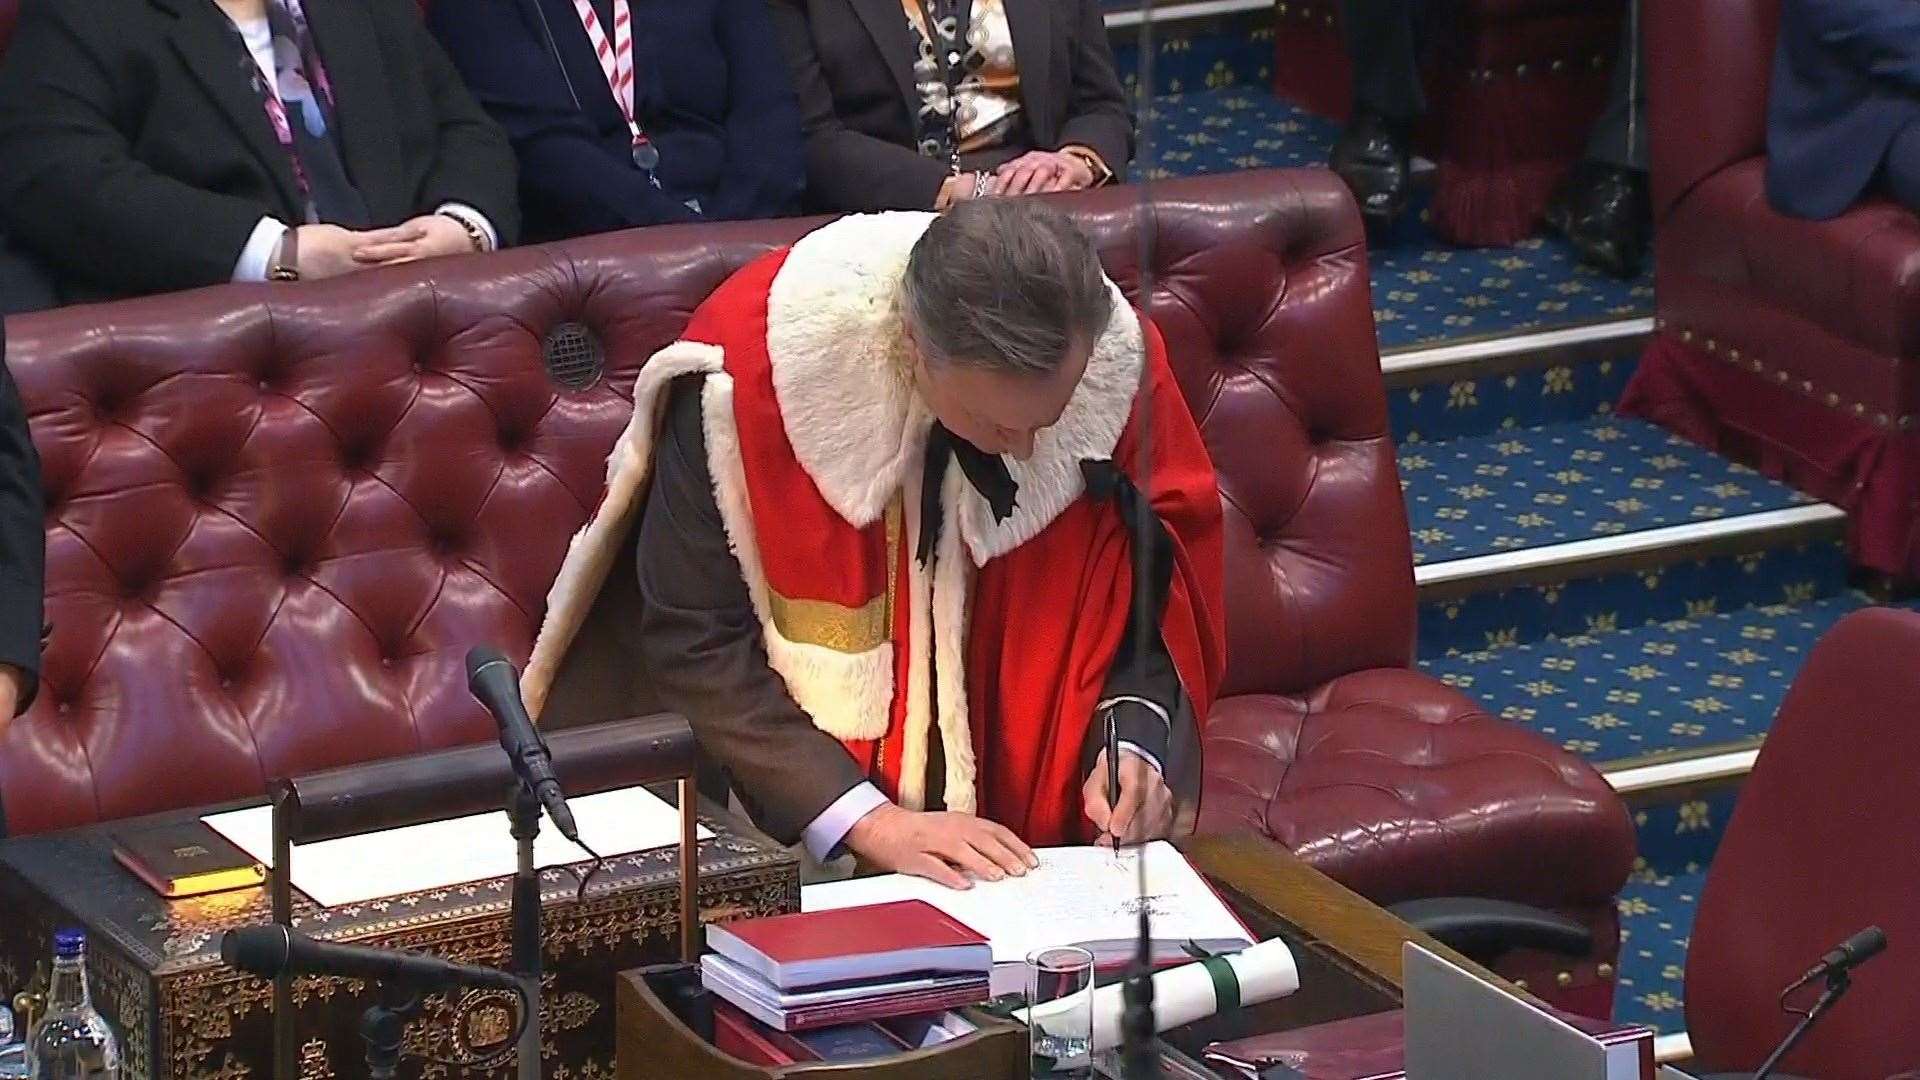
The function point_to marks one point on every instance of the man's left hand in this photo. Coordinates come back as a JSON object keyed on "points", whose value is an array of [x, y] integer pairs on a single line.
{"points": [[1040, 171], [423, 237], [1144, 810]]}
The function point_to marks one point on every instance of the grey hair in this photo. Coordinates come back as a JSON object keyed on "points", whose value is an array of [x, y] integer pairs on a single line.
{"points": [[1006, 284]]}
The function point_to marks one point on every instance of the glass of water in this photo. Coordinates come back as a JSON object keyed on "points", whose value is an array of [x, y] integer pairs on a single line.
{"points": [[1060, 1012]]}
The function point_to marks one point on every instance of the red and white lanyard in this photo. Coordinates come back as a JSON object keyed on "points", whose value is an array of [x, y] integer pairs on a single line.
{"points": [[616, 62]]}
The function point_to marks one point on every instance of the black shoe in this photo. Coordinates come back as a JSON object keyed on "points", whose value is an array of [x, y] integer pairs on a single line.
{"points": [[1374, 158], [1604, 211]]}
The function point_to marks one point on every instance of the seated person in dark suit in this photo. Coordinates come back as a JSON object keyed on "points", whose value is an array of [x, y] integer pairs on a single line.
{"points": [[23, 552], [1844, 108], [1020, 97], [1602, 209], [150, 145], [703, 125]]}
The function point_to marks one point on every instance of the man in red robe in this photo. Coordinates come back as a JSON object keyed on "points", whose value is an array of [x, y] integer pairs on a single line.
{"points": [[890, 484]]}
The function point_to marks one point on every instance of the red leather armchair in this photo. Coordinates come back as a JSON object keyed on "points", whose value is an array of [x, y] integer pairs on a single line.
{"points": [[1791, 345], [277, 517], [1819, 847], [1513, 85]]}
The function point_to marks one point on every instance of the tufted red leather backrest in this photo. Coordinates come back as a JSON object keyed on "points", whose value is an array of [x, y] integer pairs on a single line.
{"points": [[1807, 861], [1709, 64], [277, 518]]}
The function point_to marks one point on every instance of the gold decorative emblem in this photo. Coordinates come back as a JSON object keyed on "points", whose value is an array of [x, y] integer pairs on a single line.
{"points": [[313, 1061], [488, 1025]]}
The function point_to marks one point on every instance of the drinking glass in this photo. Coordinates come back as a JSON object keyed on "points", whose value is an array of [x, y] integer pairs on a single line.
{"points": [[1060, 1013]]}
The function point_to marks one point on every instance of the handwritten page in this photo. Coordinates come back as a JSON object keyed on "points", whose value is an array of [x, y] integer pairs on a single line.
{"points": [[439, 854], [1077, 894]]}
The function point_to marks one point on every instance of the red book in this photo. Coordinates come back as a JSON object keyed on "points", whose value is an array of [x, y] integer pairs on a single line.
{"points": [[855, 944], [845, 1003]]}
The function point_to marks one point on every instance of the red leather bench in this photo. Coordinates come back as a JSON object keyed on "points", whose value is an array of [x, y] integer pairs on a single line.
{"points": [[1513, 87], [278, 516], [1791, 345]]}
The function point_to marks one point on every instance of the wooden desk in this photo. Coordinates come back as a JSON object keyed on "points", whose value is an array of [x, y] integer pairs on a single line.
{"points": [[1348, 951]]}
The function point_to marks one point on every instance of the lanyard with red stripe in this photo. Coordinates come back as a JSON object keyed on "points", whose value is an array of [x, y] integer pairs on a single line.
{"points": [[616, 63]]}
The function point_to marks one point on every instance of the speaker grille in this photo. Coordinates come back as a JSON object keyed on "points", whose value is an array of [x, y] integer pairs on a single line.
{"points": [[574, 357]]}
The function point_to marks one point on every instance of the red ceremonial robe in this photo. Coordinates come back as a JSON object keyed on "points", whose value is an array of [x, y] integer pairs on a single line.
{"points": [[815, 439]]}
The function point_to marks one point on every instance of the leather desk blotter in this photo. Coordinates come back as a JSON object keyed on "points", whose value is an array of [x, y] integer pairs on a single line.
{"points": [[155, 968]]}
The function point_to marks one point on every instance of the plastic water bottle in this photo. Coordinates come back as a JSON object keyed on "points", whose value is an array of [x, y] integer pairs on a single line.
{"points": [[72, 1042], [13, 1052]]}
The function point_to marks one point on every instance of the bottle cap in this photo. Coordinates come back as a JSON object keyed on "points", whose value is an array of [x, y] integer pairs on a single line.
{"points": [[69, 942]]}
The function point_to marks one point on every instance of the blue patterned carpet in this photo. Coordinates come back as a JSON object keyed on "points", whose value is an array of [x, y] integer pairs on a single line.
{"points": [[1684, 685], [1532, 486], [1677, 841], [1424, 291]]}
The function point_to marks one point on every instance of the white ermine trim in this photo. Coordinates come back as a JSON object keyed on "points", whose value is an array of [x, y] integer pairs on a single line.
{"points": [[952, 588], [848, 695], [839, 370], [591, 552], [919, 717], [856, 423], [1050, 480]]}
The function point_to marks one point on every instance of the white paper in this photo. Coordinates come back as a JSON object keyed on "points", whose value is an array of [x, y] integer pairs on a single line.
{"points": [[1076, 894], [1184, 994], [440, 854]]}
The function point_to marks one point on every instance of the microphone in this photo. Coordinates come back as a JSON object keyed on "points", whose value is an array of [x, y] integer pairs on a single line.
{"points": [[1851, 953], [273, 950], [494, 683]]}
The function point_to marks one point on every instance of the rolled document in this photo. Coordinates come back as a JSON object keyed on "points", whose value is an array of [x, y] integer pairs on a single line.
{"points": [[1194, 991]]}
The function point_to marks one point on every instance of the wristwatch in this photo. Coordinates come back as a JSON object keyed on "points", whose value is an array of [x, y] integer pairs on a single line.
{"points": [[286, 258], [1093, 162]]}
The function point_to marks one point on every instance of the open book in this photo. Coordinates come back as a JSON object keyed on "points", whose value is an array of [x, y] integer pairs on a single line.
{"points": [[1076, 896]]}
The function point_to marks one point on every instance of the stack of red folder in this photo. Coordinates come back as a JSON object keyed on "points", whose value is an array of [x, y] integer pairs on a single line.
{"points": [[794, 972]]}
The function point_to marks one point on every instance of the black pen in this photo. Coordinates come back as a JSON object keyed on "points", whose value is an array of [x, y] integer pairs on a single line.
{"points": [[1113, 776]]}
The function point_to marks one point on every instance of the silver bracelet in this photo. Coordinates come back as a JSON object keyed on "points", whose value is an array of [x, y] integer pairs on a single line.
{"points": [[982, 184]]}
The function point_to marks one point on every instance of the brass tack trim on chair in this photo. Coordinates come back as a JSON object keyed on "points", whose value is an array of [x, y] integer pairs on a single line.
{"points": [[1712, 345], [1904, 423], [1605, 971], [1564, 979]]}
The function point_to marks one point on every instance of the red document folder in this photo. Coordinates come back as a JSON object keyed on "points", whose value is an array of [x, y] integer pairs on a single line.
{"points": [[856, 944]]}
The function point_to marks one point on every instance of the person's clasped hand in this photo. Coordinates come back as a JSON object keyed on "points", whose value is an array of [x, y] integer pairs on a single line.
{"points": [[1038, 171], [1144, 810], [952, 849], [425, 237]]}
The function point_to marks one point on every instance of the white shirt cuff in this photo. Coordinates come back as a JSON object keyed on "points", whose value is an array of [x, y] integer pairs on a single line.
{"points": [[826, 831], [1143, 754], [472, 217], [258, 253]]}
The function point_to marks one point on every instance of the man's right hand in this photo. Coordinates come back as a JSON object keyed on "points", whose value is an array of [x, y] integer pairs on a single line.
{"points": [[940, 846], [327, 251]]}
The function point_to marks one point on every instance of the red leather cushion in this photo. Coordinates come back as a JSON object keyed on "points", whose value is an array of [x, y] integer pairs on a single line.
{"points": [[1858, 275], [1401, 787], [1821, 845], [1709, 64]]}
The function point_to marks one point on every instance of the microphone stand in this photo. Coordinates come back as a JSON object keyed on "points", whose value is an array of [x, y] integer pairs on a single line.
{"points": [[383, 1027], [523, 807], [1838, 983]]}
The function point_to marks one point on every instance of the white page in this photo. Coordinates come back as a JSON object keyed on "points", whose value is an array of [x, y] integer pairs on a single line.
{"points": [[438, 854], [1075, 894]]}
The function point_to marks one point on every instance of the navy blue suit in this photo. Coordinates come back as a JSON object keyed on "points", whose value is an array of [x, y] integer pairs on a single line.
{"points": [[711, 90], [1845, 104]]}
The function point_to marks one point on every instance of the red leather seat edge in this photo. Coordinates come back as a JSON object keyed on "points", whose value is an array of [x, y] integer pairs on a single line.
{"points": [[278, 516], [1790, 345]]}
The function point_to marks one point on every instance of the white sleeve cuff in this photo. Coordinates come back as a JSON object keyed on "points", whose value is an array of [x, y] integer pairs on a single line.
{"points": [[1143, 754], [474, 218], [254, 257], [825, 832]]}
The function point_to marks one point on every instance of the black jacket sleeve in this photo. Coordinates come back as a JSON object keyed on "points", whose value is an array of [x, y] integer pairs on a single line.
{"points": [[23, 540], [848, 169], [473, 161], [703, 644], [1097, 114], [70, 187], [765, 154]]}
